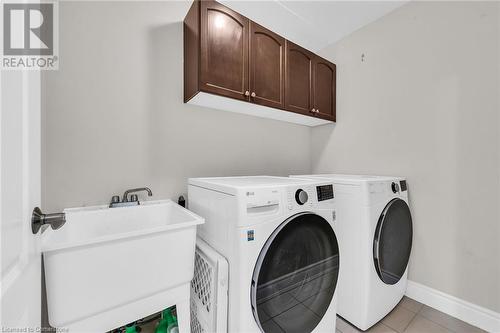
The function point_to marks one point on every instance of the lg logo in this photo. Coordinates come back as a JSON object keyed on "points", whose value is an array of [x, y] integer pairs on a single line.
{"points": [[28, 29]]}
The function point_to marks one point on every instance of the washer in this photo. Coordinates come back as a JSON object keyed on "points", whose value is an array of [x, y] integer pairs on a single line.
{"points": [[375, 238], [278, 235]]}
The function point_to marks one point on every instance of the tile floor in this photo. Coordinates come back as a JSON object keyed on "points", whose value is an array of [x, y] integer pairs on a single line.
{"points": [[410, 316]]}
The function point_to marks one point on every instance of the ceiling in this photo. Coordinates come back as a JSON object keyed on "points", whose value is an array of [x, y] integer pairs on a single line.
{"points": [[313, 24]]}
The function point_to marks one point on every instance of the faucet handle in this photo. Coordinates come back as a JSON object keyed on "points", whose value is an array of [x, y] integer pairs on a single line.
{"points": [[115, 199], [132, 190], [134, 197]]}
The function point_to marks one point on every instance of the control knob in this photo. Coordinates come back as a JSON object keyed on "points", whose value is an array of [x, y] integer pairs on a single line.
{"points": [[301, 196]]}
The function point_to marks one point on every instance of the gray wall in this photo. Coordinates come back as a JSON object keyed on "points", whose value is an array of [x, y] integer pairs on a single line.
{"points": [[425, 104], [114, 116]]}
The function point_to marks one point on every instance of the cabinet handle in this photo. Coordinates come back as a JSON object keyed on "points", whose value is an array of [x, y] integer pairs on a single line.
{"points": [[247, 93], [253, 94]]}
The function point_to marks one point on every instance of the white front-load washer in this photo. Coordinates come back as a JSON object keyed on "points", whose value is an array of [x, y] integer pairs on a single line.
{"points": [[278, 236], [375, 238]]}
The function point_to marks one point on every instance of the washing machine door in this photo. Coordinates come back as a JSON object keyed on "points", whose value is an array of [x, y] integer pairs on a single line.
{"points": [[392, 243], [295, 276]]}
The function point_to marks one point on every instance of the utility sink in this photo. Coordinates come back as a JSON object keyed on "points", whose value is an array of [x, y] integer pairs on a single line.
{"points": [[107, 267]]}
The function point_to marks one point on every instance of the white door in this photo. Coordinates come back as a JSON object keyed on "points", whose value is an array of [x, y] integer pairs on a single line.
{"points": [[20, 257]]}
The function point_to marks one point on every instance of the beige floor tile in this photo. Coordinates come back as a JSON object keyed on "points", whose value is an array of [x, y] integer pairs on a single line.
{"points": [[410, 304], [381, 328], [447, 321], [344, 327], [398, 319], [422, 325]]}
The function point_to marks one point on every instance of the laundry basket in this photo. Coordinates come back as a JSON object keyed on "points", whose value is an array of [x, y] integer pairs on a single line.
{"points": [[209, 291]]}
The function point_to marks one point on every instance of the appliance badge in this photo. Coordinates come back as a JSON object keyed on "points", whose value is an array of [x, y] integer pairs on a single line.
{"points": [[250, 235]]}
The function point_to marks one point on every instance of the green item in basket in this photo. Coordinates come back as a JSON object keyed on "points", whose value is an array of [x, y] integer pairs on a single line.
{"points": [[167, 323], [172, 326], [131, 328]]}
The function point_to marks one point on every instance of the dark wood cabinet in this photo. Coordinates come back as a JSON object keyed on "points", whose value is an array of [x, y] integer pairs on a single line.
{"points": [[324, 83], [267, 67], [224, 51], [191, 32], [226, 54], [298, 78]]}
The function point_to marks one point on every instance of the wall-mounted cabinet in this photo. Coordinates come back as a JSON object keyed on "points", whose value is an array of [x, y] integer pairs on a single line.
{"points": [[324, 86], [299, 79], [267, 67], [223, 51], [234, 64]]}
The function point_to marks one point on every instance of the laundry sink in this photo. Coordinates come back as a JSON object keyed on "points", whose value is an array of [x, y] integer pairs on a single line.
{"points": [[107, 267]]}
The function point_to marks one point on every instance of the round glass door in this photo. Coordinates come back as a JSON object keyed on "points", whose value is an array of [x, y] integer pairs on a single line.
{"points": [[295, 276], [392, 243]]}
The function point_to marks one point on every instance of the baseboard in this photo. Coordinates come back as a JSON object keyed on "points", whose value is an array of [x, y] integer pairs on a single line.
{"points": [[473, 314]]}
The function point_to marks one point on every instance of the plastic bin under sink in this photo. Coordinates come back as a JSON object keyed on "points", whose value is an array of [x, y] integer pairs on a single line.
{"points": [[107, 267]]}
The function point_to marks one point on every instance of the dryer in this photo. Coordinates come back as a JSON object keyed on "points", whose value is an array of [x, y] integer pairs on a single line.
{"points": [[278, 236], [375, 238]]}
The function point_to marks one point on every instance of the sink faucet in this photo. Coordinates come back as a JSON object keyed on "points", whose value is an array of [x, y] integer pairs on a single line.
{"points": [[127, 192], [115, 200]]}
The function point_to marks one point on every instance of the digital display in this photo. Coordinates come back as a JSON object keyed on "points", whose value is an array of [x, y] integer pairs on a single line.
{"points": [[403, 185], [325, 192]]}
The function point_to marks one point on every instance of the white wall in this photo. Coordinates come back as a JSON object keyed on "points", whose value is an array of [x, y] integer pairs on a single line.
{"points": [[425, 105], [114, 116]]}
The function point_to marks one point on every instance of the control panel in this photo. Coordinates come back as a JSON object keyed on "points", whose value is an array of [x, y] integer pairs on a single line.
{"points": [[402, 185], [395, 187], [325, 192], [301, 196]]}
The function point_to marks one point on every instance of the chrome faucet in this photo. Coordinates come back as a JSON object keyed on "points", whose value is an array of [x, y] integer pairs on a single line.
{"points": [[134, 200], [127, 192]]}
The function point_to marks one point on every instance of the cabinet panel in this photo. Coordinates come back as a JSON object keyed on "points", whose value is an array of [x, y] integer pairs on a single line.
{"points": [[224, 51], [191, 32], [298, 78], [267, 67], [324, 88]]}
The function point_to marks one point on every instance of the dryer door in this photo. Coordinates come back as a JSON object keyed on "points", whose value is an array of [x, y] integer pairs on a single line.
{"points": [[295, 276], [392, 243]]}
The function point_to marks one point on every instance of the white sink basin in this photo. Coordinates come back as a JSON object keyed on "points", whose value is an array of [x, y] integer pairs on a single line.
{"points": [[107, 267]]}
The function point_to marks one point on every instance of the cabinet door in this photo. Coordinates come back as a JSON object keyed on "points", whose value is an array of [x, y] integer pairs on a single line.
{"points": [[298, 79], [224, 51], [324, 88], [267, 67]]}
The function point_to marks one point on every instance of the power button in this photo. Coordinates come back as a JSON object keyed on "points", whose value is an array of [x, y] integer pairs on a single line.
{"points": [[301, 196]]}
